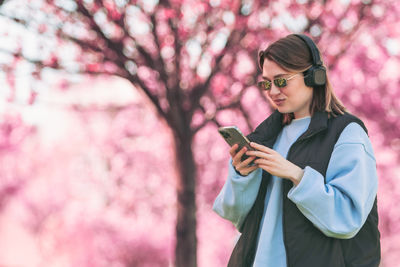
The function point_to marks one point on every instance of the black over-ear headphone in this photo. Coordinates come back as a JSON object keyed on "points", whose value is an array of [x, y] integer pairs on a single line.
{"points": [[316, 75]]}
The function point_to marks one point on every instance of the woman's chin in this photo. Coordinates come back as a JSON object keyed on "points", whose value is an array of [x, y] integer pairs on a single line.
{"points": [[283, 109]]}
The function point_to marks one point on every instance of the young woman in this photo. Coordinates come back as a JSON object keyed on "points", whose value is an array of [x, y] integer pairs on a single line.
{"points": [[307, 195]]}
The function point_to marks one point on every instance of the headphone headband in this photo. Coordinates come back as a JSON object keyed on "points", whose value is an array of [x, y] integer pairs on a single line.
{"points": [[313, 49], [316, 75]]}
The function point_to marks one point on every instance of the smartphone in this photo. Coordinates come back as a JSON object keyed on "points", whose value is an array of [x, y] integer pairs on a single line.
{"points": [[233, 135]]}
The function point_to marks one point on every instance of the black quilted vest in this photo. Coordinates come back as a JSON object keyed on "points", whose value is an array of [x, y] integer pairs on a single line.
{"points": [[306, 246]]}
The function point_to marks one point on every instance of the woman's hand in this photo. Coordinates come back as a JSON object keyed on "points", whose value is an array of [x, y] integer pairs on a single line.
{"points": [[272, 162], [241, 166]]}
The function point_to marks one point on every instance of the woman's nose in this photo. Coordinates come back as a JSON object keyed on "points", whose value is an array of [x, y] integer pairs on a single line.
{"points": [[274, 90]]}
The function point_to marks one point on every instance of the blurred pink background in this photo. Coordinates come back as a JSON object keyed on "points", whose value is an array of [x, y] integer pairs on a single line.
{"points": [[97, 95]]}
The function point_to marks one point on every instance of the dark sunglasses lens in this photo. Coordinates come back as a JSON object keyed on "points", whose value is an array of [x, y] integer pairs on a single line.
{"points": [[280, 82], [264, 85]]}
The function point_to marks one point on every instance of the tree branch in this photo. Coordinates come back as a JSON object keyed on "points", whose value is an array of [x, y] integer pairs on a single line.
{"points": [[134, 79], [160, 67], [177, 45], [115, 47]]}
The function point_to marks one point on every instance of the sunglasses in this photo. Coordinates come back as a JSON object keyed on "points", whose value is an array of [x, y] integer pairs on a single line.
{"points": [[279, 82]]}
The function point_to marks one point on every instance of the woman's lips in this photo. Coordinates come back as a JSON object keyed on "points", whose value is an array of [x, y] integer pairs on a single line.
{"points": [[279, 102]]}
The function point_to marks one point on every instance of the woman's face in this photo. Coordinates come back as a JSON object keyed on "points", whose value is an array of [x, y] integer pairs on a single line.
{"points": [[294, 97]]}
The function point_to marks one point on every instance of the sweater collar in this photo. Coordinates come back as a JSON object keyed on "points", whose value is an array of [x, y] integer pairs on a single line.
{"points": [[319, 122]]}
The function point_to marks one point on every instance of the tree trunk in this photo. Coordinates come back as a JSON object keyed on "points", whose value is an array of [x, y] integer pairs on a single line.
{"points": [[186, 240]]}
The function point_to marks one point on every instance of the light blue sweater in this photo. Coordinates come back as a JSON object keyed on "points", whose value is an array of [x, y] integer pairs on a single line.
{"points": [[338, 208]]}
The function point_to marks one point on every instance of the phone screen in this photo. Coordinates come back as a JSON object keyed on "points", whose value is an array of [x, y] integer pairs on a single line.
{"points": [[233, 135]]}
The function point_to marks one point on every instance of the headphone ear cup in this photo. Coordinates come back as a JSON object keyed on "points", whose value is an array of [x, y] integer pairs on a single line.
{"points": [[319, 76], [308, 79], [315, 76]]}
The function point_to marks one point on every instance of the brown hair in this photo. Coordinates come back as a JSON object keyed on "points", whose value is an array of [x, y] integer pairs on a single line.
{"points": [[292, 54]]}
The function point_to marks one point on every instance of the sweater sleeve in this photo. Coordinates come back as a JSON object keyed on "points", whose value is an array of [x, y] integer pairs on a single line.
{"points": [[237, 195], [340, 207]]}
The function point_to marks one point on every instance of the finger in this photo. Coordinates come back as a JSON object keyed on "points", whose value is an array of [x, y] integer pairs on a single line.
{"points": [[261, 147], [262, 162], [266, 164], [248, 161], [245, 163], [258, 154], [248, 170], [238, 156], [266, 168], [233, 149]]}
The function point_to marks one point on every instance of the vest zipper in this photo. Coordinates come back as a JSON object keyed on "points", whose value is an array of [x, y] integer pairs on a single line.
{"points": [[285, 199], [283, 208]]}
